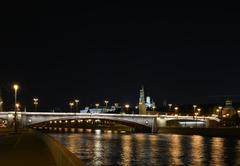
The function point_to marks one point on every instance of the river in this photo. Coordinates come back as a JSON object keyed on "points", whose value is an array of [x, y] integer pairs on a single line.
{"points": [[110, 149]]}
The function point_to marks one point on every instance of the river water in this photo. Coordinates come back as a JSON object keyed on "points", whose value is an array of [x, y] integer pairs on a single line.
{"points": [[106, 148]]}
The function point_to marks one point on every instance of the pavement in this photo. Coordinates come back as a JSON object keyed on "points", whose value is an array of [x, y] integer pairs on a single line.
{"points": [[23, 149]]}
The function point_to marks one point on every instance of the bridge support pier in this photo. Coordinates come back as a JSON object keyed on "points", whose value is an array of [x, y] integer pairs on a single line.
{"points": [[154, 125]]}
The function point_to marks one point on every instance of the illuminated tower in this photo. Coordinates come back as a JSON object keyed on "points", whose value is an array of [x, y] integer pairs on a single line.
{"points": [[142, 107], [148, 102]]}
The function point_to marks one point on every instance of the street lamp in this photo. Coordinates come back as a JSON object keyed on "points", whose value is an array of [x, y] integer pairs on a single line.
{"points": [[15, 87], [196, 114], [77, 102], [35, 102], [199, 110], [194, 109], [127, 107], [71, 104], [17, 106], [97, 105], [170, 106], [220, 110], [217, 110], [176, 110], [106, 102]]}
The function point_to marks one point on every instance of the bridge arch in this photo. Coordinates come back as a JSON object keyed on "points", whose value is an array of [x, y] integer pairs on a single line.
{"points": [[93, 122]]}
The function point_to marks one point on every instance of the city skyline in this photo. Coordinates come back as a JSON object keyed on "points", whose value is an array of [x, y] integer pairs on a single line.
{"points": [[113, 83], [182, 55]]}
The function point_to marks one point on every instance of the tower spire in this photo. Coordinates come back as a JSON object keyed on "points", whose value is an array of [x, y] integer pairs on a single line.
{"points": [[142, 107]]}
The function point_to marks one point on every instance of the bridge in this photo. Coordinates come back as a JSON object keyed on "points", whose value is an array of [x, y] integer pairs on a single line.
{"points": [[151, 122]]}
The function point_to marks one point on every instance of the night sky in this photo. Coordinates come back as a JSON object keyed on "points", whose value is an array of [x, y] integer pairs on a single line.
{"points": [[94, 52]]}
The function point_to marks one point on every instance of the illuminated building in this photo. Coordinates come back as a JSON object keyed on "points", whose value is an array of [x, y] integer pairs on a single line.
{"points": [[228, 109], [149, 103]]}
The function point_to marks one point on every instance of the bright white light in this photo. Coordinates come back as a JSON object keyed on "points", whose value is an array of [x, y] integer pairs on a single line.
{"points": [[98, 131], [15, 87]]}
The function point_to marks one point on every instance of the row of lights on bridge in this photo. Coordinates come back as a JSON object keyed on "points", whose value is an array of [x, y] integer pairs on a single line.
{"points": [[73, 121]]}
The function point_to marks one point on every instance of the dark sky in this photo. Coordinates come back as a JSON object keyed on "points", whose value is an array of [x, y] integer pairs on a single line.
{"points": [[61, 51]]}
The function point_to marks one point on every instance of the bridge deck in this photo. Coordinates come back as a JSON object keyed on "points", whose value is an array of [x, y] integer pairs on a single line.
{"points": [[23, 149]]}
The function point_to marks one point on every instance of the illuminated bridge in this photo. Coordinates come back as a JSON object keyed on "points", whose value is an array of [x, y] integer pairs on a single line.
{"points": [[145, 122]]}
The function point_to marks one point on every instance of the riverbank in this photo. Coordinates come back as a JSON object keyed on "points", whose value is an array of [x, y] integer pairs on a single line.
{"points": [[28, 148], [210, 132]]}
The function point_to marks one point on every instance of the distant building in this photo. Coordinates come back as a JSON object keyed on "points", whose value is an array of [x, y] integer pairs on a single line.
{"points": [[228, 109], [145, 105], [149, 103]]}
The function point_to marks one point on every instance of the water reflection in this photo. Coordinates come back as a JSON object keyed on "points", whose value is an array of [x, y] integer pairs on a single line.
{"points": [[98, 149], [217, 151], [175, 149], [140, 140], [197, 149], [153, 156], [126, 156], [109, 148]]}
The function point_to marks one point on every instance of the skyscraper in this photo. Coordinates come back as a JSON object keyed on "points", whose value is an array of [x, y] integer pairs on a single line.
{"points": [[142, 107]]}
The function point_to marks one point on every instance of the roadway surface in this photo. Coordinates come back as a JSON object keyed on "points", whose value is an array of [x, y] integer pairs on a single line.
{"points": [[23, 149]]}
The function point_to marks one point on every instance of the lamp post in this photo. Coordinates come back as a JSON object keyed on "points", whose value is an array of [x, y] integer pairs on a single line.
{"points": [[17, 106], [106, 103], [97, 105], [35, 102], [71, 104], [77, 102], [217, 110], [221, 114], [194, 110], [196, 114], [199, 110], [127, 106], [170, 107], [220, 110], [176, 110], [15, 87]]}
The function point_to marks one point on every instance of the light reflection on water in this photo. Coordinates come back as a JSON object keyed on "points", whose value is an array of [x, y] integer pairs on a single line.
{"points": [[175, 150], [106, 148]]}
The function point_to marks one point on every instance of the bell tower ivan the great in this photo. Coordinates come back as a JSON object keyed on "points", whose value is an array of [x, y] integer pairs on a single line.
{"points": [[142, 107]]}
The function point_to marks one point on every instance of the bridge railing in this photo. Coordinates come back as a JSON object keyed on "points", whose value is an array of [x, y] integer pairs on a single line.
{"points": [[190, 117]]}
